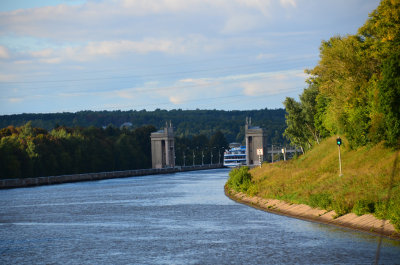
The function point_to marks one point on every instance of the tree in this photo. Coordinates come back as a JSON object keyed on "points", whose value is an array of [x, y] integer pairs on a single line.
{"points": [[309, 109], [29, 152], [295, 121], [218, 140], [343, 74], [389, 98], [217, 144]]}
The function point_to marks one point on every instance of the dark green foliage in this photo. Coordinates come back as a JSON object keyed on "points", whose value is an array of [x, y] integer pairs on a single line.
{"points": [[363, 207], [300, 118], [389, 98], [322, 103], [389, 212], [354, 90], [295, 122], [341, 206], [187, 123], [218, 140], [240, 181], [321, 200], [191, 149], [31, 152]]}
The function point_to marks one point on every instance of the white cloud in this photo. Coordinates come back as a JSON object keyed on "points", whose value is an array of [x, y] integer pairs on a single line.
{"points": [[7, 77], [23, 62], [256, 84], [42, 53], [97, 20], [263, 56], [15, 100], [241, 23], [121, 48], [274, 83], [54, 60], [178, 99], [162, 48], [4, 53], [288, 3], [261, 5]]}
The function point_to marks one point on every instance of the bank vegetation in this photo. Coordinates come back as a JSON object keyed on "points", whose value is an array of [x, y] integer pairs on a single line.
{"points": [[353, 92]]}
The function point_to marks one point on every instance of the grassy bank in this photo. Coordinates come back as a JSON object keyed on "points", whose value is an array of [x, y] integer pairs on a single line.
{"points": [[313, 179]]}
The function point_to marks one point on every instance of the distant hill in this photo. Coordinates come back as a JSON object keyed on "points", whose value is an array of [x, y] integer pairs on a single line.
{"points": [[186, 122]]}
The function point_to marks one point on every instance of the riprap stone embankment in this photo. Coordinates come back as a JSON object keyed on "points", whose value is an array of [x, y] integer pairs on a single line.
{"points": [[367, 223]]}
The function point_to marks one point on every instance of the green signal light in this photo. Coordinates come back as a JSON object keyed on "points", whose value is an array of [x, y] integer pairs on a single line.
{"points": [[339, 141]]}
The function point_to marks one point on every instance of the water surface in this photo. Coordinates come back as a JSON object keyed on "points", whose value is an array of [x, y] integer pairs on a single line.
{"points": [[182, 218]]}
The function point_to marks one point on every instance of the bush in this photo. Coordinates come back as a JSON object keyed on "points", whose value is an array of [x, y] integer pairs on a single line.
{"points": [[321, 200], [240, 181], [341, 207], [363, 207], [389, 212]]}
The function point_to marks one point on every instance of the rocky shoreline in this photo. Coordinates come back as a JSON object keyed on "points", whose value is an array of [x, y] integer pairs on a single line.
{"points": [[367, 223]]}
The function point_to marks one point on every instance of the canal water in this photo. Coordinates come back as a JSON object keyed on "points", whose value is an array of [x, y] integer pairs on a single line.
{"points": [[181, 218]]}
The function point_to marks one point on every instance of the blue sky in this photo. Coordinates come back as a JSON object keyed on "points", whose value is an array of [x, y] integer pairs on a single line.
{"points": [[74, 55]]}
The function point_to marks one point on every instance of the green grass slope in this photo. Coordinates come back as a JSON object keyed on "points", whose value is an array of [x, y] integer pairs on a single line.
{"points": [[313, 179]]}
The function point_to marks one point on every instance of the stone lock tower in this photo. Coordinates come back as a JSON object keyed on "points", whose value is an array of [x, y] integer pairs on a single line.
{"points": [[163, 147], [256, 138]]}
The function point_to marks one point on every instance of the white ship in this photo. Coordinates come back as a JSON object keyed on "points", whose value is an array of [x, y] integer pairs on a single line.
{"points": [[235, 156]]}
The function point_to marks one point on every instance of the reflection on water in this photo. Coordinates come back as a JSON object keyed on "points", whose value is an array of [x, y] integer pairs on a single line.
{"points": [[180, 218]]}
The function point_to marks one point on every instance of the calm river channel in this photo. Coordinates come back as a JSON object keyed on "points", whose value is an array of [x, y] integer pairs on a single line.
{"points": [[181, 218]]}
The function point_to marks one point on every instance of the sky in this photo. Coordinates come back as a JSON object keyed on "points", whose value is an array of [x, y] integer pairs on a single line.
{"points": [[73, 55]]}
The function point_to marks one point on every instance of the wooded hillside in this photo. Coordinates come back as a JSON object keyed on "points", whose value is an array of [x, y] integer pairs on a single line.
{"points": [[186, 123]]}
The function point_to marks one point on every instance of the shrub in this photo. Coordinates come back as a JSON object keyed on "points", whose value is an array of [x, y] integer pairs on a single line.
{"points": [[390, 212], [363, 207], [321, 200], [341, 207], [240, 181]]}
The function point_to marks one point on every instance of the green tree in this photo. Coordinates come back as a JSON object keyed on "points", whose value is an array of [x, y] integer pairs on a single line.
{"points": [[389, 97], [343, 74], [295, 120], [218, 140], [309, 109]]}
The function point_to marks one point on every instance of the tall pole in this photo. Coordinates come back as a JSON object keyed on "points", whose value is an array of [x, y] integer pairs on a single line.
{"points": [[272, 154], [284, 153], [202, 157], [211, 156], [193, 157], [339, 142], [184, 158], [340, 163]]}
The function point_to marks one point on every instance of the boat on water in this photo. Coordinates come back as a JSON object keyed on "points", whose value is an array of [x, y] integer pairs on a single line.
{"points": [[235, 156]]}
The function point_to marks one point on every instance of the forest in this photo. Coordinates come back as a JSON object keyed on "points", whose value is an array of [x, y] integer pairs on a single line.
{"points": [[27, 151], [186, 123], [354, 90], [33, 145]]}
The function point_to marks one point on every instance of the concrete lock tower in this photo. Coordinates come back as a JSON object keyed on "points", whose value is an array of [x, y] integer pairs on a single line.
{"points": [[163, 147], [256, 138]]}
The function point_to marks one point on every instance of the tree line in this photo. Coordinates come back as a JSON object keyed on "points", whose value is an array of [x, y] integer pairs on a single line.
{"points": [[354, 90], [187, 123], [28, 151], [200, 149]]}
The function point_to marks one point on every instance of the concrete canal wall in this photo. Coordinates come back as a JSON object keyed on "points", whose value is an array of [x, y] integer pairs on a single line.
{"points": [[367, 223], [28, 182]]}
